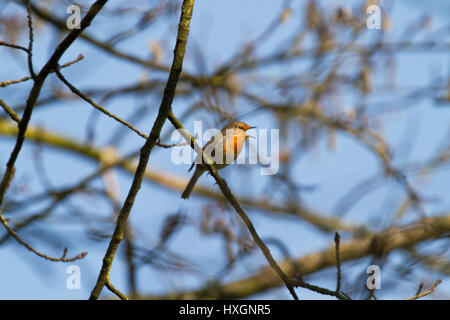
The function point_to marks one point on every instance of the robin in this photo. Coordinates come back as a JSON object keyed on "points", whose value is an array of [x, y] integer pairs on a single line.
{"points": [[223, 148]]}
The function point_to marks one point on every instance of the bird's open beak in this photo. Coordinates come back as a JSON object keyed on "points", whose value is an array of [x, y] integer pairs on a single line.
{"points": [[249, 136]]}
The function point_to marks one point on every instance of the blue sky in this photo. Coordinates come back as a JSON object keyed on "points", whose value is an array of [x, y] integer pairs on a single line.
{"points": [[219, 27]]}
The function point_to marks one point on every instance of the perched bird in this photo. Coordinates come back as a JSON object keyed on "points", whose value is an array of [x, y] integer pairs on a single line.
{"points": [[223, 149]]}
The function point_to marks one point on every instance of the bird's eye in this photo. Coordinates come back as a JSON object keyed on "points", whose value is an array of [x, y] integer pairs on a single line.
{"points": [[241, 127]]}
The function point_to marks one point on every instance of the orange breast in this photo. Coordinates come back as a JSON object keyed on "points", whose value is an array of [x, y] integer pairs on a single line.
{"points": [[233, 144]]}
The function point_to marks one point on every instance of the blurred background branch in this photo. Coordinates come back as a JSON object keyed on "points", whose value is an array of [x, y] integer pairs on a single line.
{"points": [[363, 146]]}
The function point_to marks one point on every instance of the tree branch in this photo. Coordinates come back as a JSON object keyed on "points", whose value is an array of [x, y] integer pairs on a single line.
{"points": [[235, 204], [33, 96], [425, 293], [381, 243], [164, 109], [36, 89], [40, 254]]}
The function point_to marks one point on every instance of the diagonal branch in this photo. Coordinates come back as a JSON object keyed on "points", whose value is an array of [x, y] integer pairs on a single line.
{"points": [[425, 293], [10, 111], [97, 106], [235, 204], [164, 109], [33, 96], [26, 78], [105, 111], [36, 89], [40, 254]]}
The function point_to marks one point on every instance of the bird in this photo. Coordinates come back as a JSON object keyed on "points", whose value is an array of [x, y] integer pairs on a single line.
{"points": [[230, 141]]}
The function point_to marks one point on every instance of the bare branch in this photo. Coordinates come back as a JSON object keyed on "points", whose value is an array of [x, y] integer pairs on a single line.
{"points": [[387, 241], [10, 111], [425, 293], [36, 89], [29, 247], [67, 64], [33, 96], [164, 109], [30, 41], [235, 204], [337, 239]]}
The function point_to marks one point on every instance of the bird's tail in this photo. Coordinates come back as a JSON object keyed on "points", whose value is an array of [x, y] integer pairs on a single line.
{"points": [[187, 192]]}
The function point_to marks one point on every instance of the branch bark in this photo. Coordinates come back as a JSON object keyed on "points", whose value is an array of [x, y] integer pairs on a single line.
{"points": [[164, 110]]}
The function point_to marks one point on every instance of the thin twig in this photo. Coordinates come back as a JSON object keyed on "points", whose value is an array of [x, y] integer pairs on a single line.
{"points": [[108, 113], [97, 106], [8, 82], [337, 239], [419, 290], [337, 293], [30, 41], [10, 111], [321, 290], [14, 46], [114, 290], [371, 294], [425, 293], [29, 247]]}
